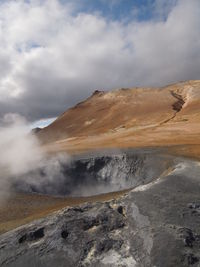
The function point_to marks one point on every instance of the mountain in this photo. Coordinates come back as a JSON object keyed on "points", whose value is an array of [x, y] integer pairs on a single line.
{"points": [[132, 201], [36, 130], [129, 117]]}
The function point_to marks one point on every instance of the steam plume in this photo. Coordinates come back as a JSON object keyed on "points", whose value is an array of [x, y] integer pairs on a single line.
{"points": [[21, 154]]}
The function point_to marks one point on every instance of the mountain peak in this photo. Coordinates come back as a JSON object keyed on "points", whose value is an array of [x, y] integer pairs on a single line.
{"points": [[130, 118], [98, 93]]}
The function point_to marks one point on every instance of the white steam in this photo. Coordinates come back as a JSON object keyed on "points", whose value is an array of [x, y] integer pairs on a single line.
{"points": [[19, 149], [21, 154]]}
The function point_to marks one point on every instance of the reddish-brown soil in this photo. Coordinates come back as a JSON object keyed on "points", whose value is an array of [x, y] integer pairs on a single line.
{"points": [[123, 118], [20, 209], [136, 117]]}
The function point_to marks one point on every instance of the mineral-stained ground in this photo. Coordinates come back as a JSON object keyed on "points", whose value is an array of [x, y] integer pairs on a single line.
{"points": [[130, 195], [156, 223]]}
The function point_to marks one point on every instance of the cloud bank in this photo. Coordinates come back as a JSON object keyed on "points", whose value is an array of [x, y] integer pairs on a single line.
{"points": [[52, 56]]}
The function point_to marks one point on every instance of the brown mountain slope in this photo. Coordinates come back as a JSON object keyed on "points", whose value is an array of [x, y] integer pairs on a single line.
{"points": [[129, 118]]}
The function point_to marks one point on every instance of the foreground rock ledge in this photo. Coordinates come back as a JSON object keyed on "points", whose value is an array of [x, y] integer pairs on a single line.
{"points": [[156, 224]]}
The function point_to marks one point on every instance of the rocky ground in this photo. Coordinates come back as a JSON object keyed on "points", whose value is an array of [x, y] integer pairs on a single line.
{"points": [[154, 224]]}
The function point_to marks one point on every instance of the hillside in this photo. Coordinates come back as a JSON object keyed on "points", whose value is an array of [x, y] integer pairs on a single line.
{"points": [[134, 117], [112, 207]]}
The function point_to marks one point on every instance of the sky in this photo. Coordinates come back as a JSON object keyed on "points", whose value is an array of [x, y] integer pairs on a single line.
{"points": [[55, 53]]}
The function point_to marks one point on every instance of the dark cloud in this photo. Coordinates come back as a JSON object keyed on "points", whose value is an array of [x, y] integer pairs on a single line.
{"points": [[51, 58]]}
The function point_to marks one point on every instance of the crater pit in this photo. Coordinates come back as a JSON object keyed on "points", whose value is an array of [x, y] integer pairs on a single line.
{"points": [[88, 175]]}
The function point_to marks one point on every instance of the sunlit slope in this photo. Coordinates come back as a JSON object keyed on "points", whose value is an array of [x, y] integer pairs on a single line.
{"points": [[129, 118]]}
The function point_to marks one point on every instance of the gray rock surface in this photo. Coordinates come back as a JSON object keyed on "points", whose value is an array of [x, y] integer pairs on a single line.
{"points": [[156, 224], [96, 174]]}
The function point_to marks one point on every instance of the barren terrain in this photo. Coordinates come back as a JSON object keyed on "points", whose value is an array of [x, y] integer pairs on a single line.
{"points": [[124, 118], [135, 117], [24, 208], [137, 151]]}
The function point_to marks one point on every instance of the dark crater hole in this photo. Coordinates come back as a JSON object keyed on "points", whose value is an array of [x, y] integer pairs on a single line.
{"points": [[95, 174]]}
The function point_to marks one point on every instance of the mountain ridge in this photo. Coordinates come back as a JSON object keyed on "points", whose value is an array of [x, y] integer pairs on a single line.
{"points": [[129, 117]]}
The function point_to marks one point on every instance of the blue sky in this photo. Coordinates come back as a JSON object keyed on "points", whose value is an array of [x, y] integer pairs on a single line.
{"points": [[119, 9], [126, 10], [41, 123]]}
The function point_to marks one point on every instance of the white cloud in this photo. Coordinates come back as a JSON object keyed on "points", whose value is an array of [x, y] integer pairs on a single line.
{"points": [[51, 57]]}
